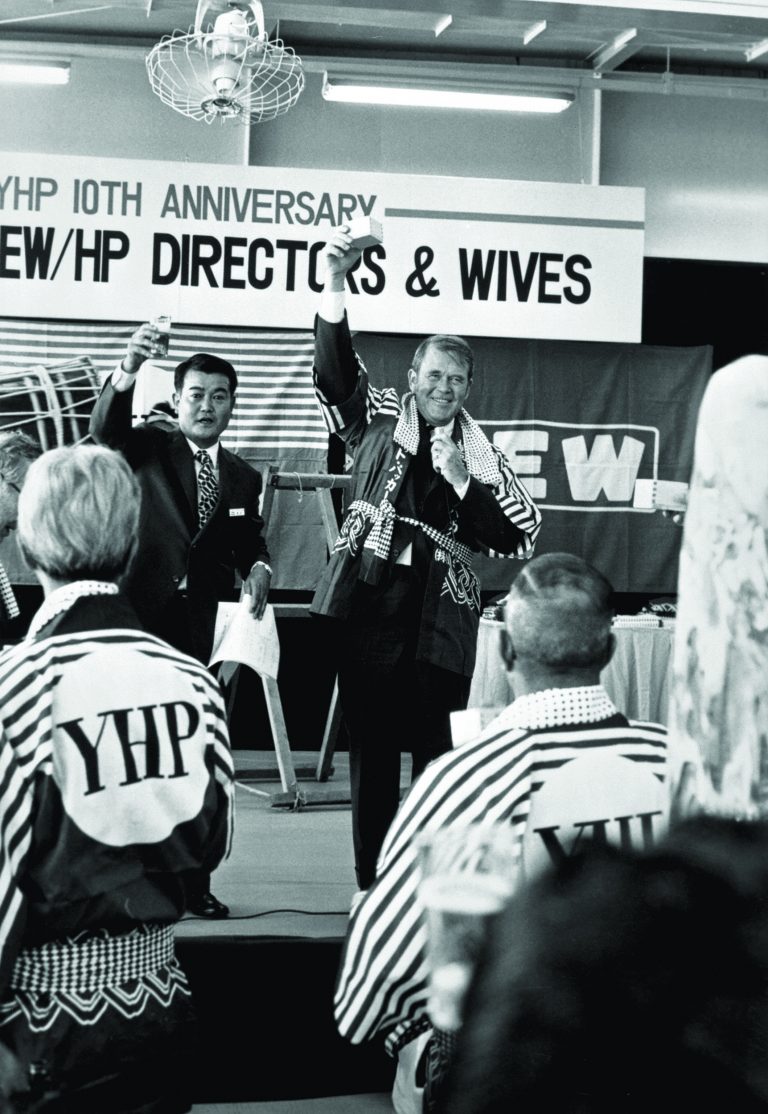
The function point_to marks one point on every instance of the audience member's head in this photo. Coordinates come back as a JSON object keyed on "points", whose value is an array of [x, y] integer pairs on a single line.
{"points": [[17, 451], [78, 515], [620, 983], [557, 623]]}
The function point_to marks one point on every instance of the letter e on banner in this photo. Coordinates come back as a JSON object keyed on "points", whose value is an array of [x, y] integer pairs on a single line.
{"points": [[523, 448]]}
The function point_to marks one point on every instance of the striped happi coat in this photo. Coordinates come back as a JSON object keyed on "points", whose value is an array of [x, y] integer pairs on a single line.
{"points": [[382, 982], [116, 789]]}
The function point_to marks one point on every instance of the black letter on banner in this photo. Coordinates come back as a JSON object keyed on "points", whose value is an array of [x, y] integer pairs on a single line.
{"points": [[523, 282], [160, 240], [108, 252], [291, 247], [204, 262], [253, 278], [6, 250], [370, 255], [38, 247], [546, 276], [478, 274], [571, 263], [231, 243], [314, 283], [83, 252]]}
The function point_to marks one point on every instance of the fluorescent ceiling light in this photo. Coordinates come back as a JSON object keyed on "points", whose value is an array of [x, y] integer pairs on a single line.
{"points": [[34, 73], [416, 96]]}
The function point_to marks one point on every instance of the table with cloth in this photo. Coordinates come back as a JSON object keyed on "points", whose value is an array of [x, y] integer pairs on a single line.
{"points": [[637, 677]]}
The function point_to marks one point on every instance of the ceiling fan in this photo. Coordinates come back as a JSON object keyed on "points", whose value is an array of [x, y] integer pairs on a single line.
{"points": [[225, 67]]}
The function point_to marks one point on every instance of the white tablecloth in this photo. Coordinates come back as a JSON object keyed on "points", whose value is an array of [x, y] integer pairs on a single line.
{"points": [[637, 677]]}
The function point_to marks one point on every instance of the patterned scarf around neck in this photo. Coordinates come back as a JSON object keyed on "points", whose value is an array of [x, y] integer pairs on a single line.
{"points": [[479, 457]]}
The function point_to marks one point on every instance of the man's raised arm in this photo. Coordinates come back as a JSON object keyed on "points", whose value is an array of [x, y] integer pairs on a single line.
{"points": [[336, 367], [111, 418]]}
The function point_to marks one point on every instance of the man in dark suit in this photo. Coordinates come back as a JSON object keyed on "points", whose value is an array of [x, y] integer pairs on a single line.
{"points": [[200, 520]]}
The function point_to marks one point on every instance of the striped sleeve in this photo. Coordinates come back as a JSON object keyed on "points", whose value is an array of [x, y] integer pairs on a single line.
{"points": [[16, 799], [518, 507], [382, 984], [349, 418], [223, 765], [25, 749], [382, 980]]}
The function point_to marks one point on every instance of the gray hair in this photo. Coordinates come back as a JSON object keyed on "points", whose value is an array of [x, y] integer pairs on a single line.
{"points": [[79, 514], [17, 451], [559, 612], [454, 346]]}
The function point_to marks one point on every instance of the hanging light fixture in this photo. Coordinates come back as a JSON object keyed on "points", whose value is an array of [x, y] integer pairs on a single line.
{"points": [[19, 72], [229, 71], [432, 93]]}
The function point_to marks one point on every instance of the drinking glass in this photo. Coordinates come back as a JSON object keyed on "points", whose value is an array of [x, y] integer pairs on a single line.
{"points": [[162, 323], [467, 877]]}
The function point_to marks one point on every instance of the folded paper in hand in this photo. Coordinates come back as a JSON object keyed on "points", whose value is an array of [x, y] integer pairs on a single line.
{"points": [[238, 637], [365, 232]]}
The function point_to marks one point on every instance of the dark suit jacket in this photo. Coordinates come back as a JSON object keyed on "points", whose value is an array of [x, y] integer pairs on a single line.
{"points": [[171, 546]]}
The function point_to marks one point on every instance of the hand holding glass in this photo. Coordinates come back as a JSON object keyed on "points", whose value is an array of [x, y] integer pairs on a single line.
{"points": [[162, 324]]}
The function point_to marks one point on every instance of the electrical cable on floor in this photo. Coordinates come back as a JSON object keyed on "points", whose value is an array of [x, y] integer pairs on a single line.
{"points": [[249, 789], [271, 912]]}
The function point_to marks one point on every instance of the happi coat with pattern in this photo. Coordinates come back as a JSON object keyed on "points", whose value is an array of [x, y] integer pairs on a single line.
{"points": [[491, 781], [382, 431], [116, 790]]}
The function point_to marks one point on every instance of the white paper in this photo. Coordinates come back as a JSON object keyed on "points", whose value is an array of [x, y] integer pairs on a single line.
{"points": [[238, 637]]}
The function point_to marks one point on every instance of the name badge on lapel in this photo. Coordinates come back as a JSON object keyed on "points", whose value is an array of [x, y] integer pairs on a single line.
{"points": [[237, 512]]}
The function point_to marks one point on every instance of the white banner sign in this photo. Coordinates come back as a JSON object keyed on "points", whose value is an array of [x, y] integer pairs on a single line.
{"points": [[232, 245]]}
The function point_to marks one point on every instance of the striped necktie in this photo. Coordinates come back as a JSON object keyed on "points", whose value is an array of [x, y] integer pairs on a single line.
{"points": [[207, 487]]}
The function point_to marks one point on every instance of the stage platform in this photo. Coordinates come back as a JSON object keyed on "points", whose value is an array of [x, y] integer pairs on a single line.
{"points": [[263, 979], [337, 1104]]}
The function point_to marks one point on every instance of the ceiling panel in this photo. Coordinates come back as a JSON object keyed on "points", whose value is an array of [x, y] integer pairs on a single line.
{"points": [[720, 40]]}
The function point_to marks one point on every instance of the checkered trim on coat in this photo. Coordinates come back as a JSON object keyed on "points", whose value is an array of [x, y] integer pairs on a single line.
{"points": [[94, 962], [479, 457], [383, 520]]}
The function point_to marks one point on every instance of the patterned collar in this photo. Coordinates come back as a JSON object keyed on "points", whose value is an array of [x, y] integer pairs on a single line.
{"points": [[479, 457], [557, 707], [61, 599]]}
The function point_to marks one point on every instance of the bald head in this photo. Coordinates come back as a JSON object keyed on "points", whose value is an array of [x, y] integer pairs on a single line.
{"points": [[558, 616]]}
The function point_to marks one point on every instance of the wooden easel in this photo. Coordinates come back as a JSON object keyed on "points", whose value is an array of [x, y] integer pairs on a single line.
{"points": [[285, 767], [321, 483]]}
